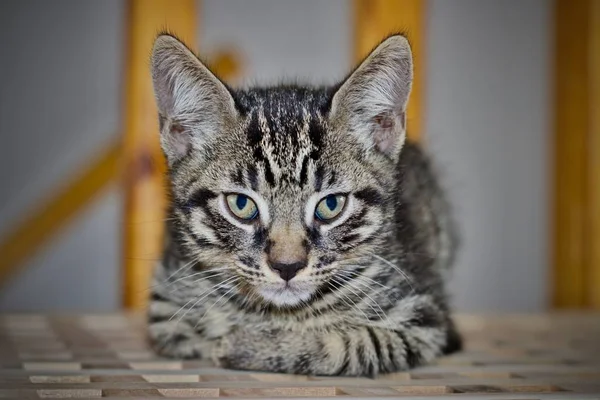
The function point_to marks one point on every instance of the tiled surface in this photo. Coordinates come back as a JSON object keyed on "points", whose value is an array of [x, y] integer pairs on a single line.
{"points": [[519, 357]]}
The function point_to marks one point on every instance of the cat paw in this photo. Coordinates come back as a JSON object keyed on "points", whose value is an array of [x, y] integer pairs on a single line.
{"points": [[181, 346], [185, 350], [221, 352]]}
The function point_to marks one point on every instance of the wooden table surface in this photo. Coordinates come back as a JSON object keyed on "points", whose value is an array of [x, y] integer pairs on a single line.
{"points": [[506, 357]]}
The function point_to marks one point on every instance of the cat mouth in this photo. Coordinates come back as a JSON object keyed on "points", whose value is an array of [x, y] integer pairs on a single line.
{"points": [[286, 293]]}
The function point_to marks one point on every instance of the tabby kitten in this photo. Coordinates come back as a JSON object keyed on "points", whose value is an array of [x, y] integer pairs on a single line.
{"points": [[305, 235]]}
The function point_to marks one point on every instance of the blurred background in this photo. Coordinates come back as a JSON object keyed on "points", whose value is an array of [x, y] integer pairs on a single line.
{"points": [[497, 83]]}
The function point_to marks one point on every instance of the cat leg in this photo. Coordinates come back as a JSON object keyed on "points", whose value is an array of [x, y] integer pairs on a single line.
{"points": [[352, 351], [413, 332]]}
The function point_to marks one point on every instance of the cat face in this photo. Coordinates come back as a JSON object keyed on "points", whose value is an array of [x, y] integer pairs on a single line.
{"points": [[288, 188]]}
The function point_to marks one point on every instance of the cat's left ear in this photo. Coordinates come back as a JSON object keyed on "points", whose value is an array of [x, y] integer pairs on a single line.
{"points": [[371, 103]]}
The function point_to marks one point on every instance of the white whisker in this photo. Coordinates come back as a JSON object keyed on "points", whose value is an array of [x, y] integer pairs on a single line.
{"points": [[202, 296], [196, 274], [387, 319], [383, 314], [357, 275], [186, 266], [395, 267], [197, 281], [349, 299], [215, 303]]}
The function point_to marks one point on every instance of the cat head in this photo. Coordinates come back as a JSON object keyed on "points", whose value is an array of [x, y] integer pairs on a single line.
{"points": [[289, 188]]}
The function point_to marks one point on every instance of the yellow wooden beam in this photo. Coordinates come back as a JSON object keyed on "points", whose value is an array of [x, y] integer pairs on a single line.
{"points": [[145, 198], [593, 279], [44, 222], [376, 19], [576, 209], [571, 125]]}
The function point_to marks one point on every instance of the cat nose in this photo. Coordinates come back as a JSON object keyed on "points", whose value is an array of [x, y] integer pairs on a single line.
{"points": [[288, 270]]}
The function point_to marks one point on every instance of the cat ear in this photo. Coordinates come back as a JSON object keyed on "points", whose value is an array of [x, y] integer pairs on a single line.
{"points": [[371, 102], [193, 104]]}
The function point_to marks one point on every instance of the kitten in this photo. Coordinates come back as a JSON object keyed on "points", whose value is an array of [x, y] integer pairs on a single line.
{"points": [[305, 235]]}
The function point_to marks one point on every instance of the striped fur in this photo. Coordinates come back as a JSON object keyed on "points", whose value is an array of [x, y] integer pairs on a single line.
{"points": [[371, 298]]}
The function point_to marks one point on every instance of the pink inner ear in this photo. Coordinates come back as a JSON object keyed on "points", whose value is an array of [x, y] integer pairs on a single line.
{"points": [[384, 121], [387, 132], [385, 140], [179, 138]]}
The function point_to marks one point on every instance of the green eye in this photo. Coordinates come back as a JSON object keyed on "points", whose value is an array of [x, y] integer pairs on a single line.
{"points": [[330, 207], [242, 206]]}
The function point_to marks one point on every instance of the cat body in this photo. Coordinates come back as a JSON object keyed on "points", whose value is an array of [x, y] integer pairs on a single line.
{"points": [[305, 234]]}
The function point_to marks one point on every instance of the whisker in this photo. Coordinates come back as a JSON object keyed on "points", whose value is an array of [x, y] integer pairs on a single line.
{"points": [[342, 297], [320, 293], [200, 298], [357, 275], [395, 267], [191, 307], [196, 281], [351, 285], [387, 319], [348, 297], [209, 276], [196, 274], [165, 284], [215, 303], [355, 307], [186, 266]]}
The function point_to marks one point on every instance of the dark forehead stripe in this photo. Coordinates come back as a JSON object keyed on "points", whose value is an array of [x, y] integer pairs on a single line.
{"points": [[319, 173], [332, 178], [238, 177], [253, 131], [288, 119], [254, 135], [253, 177], [316, 132], [304, 172]]}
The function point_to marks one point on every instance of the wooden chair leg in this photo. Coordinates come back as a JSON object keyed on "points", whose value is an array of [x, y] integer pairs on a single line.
{"points": [[373, 21], [143, 162]]}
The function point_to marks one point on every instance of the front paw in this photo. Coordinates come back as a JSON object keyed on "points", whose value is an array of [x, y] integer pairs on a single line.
{"points": [[166, 341], [261, 349], [188, 348], [243, 350], [222, 352]]}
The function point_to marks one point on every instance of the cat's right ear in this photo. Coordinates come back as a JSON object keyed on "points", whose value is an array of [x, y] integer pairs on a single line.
{"points": [[193, 104]]}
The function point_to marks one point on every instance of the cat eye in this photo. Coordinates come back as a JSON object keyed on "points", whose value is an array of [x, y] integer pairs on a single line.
{"points": [[242, 206], [330, 207]]}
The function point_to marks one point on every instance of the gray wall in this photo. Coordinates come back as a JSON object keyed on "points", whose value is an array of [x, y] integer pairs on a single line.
{"points": [[486, 122], [79, 270], [60, 95], [307, 41]]}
